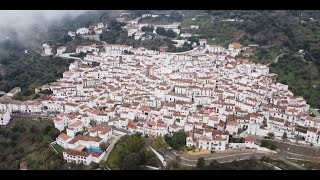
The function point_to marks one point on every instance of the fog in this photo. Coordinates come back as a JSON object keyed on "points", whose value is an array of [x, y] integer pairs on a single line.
{"points": [[23, 25]]}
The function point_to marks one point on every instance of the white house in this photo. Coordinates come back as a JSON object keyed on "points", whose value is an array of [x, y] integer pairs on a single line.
{"points": [[31, 106], [215, 49], [138, 35], [47, 49], [63, 140], [235, 47], [82, 157], [82, 31], [71, 33], [4, 118], [232, 127], [203, 42], [75, 127], [100, 25], [61, 50], [217, 143], [172, 97], [250, 142], [253, 128], [194, 27], [104, 132], [185, 35], [71, 107], [131, 31], [98, 31], [86, 141]]}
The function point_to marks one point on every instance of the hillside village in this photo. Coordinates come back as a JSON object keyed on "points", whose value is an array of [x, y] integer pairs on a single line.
{"points": [[208, 92]]}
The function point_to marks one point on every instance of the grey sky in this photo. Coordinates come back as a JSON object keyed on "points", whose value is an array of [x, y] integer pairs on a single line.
{"points": [[21, 21]]}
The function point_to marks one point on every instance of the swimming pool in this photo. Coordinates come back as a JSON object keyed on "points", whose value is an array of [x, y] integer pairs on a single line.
{"points": [[92, 150]]}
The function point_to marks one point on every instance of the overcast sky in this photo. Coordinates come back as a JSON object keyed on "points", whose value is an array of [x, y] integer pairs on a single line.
{"points": [[22, 20]]}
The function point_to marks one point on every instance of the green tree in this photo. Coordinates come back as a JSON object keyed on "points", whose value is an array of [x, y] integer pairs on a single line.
{"points": [[170, 33], [66, 38], [103, 146], [159, 143], [284, 136], [201, 163], [176, 16], [103, 165], [17, 96], [178, 158], [130, 162], [168, 139], [268, 144], [172, 165], [214, 164], [147, 28], [271, 135], [46, 91], [94, 165], [116, 25], [161, 31], [178, 140]]}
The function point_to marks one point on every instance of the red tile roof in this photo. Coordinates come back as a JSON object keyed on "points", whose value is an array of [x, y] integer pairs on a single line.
{"points": [[249, 139], [64, 136]]}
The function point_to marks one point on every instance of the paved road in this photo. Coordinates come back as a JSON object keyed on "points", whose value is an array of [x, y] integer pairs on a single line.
{"points": [[67, 55], [121, 130], [282, 155], [315, 112], [111, 146], [222, 159], [287, 154], [291, 143]]}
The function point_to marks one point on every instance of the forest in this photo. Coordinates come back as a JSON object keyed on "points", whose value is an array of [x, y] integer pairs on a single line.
{"points": [[30, 70]]}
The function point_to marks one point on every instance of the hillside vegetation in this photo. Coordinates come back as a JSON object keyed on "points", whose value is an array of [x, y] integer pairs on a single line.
{"points": [[31, 70], [27, 139], [302, 76]]}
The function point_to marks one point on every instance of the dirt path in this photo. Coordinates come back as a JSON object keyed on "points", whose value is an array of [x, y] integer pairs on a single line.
{"points": [[275, 60]]}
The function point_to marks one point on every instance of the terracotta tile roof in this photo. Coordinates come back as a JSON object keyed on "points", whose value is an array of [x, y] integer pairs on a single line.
{"points": [[77, 153], [249, 139], [85, 138], [64, 136], [101, 129], [145, 108], [76, 124]]}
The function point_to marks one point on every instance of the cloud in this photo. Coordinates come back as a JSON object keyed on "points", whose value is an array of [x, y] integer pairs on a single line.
{"points": [[22, 25]]}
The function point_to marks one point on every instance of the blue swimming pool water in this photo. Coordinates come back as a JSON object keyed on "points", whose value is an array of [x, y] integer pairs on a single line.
{"points": [[92, 150]]}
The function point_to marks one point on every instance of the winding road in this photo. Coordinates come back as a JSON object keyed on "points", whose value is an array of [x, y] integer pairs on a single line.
{"points": [[111, 146], [221, 159], [67, 55]]}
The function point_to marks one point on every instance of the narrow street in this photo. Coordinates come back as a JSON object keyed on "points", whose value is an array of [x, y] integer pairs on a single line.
{"points": [[111, 146]]}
